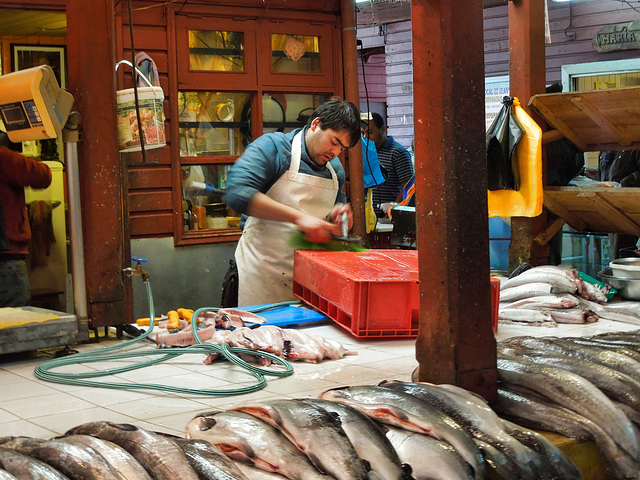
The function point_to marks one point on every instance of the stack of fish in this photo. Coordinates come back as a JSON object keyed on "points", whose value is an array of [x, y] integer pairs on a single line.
{"points": [[587, 388], [392, 431], [548, 295]]}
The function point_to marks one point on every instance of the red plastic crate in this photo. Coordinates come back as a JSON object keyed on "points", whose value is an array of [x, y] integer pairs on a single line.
{"points": [[371, 294]]}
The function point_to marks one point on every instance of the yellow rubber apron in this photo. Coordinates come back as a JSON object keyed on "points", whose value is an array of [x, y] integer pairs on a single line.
{"points": [[264, 256]]}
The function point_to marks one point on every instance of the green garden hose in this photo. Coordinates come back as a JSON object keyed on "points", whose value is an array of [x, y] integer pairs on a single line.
{"points": [[117, 352]]}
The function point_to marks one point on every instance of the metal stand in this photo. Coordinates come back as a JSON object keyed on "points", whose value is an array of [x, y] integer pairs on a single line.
{"points": [[70, 137]]}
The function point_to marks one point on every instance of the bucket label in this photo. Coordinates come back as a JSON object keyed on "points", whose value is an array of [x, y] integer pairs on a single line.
{"points": [[152, 119]]}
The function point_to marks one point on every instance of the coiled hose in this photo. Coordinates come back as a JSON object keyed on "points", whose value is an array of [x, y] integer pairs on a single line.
{"points": [[117, 352]]}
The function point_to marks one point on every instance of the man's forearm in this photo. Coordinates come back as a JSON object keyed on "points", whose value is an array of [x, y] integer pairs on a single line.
{"points": [[264, 207]]}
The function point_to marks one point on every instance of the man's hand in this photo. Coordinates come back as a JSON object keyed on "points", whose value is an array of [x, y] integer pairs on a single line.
{"points": [[316, 230], [338, 210]]}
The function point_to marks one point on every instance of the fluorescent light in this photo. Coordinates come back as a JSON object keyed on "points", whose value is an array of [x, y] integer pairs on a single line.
{"points": [[361, 1]]}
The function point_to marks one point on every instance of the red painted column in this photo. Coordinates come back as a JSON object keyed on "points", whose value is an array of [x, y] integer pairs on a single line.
{"points": [[455, 342], [527, 78], [90, 49], [352, 94]]}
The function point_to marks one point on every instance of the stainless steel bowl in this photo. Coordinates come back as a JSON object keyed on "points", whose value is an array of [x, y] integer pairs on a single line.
{"points": [[626, 267], [627, 287]]}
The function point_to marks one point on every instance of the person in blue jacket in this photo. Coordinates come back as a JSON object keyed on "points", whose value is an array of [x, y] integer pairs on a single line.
{"points": [[284, 183]]}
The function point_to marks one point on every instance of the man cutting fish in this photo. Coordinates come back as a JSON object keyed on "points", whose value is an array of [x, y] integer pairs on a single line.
{"points": [[288, 182]]}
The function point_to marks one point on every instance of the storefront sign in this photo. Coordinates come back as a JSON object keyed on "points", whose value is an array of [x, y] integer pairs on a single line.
{"points": [[623, 36]]}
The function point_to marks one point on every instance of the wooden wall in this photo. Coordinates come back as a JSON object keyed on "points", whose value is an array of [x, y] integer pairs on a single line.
{"points": [[572, 25], [149, 185]]}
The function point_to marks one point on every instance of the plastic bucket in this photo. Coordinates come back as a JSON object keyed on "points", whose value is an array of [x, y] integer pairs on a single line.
{"points": [[151, 115]]}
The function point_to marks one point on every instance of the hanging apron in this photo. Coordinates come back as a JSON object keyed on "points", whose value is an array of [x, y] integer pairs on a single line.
{"points": [[263, 255]]}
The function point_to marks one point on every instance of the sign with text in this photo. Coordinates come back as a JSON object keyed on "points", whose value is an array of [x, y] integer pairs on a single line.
{"points": [[623, 36]]}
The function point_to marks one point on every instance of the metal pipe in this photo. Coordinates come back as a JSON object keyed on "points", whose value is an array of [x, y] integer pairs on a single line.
{"points": [[75, 223], [352, 94]]}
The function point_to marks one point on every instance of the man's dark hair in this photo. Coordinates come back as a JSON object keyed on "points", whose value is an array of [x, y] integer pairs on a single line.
{"points": [[377, 119], [339, 115]]}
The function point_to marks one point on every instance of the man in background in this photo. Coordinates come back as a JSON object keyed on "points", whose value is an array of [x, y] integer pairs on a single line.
{"points": [[622, 166], [16, 172], [393, 157]]}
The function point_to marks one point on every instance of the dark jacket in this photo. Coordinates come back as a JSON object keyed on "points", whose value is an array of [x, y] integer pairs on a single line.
{"points": [[622, 166], [17, 172]]}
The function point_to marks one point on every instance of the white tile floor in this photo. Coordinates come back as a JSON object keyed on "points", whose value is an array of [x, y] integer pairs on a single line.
{"points": [[35, 408]]}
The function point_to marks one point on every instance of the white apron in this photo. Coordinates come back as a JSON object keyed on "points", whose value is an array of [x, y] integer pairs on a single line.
{"points": [[264, 256]]}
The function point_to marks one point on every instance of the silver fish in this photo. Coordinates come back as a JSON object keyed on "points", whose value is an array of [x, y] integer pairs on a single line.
{"points": [[368, 438], [253, 473], [430, 459], [562, 466], [574, 315], [245, 438], [561, 279], [27, 468], [530, 290], [617, 385], [543, 302], [4, 475], [208, 461], [315, 432], [526, 409], [161, 457], [77, 463], [574, 392], [611, 359], [403, 410], [529, 317], [477, 418], [498, 465], [119, 459]]}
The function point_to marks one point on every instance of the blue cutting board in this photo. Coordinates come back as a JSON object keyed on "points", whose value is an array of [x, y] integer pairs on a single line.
{"points": [[289, 315]]}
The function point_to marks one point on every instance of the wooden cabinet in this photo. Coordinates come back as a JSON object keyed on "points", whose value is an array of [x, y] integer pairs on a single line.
{"points": [[594, 121]]}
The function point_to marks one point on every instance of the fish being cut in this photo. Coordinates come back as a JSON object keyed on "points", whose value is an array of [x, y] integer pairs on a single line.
{"points": [[368, 438], [161, 457], [405, 411], [289, 343], [245, 438], [316, 433]]}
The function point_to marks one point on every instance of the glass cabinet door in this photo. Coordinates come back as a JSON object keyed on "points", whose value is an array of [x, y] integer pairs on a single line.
{"points": [[212, 53], [213, 123], [296, 54]]}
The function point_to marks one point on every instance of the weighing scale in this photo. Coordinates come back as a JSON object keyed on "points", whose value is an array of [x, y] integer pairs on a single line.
{"points": [[34, 107]]}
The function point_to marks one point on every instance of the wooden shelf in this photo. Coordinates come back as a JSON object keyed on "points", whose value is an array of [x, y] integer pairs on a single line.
{"points": [[596, 209], [594, 120]]}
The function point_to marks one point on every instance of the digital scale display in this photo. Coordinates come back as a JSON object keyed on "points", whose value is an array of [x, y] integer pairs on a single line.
{"points": [[20, 115]]}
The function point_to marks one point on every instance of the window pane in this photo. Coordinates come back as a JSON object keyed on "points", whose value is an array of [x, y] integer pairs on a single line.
{"points": [[212, 123], [203, 207], [216, 50], [284, 112], [295, 53]]}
